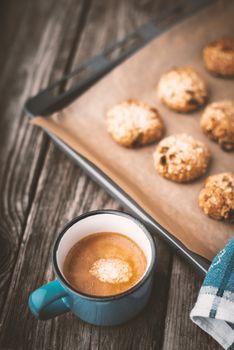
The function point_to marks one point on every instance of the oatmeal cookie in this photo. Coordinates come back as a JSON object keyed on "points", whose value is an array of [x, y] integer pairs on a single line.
{"points": [[217, 122], [218, 57], [134, 123], [182, 89], [216, 199], [181, 158]]}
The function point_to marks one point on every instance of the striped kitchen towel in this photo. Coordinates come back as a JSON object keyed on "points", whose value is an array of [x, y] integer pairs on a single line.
{"points": [[214, 309]]}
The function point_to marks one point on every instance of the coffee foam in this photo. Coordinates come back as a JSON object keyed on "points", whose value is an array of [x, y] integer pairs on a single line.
{"points": [[111, 270], [104, 263]]}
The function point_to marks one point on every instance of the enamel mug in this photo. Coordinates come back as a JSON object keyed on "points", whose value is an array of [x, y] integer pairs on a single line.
{"points": [[58, 296]]}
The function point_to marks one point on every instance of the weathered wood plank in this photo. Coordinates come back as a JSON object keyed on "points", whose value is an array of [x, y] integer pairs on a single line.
{"points": [[180, 332], [27, 65]]}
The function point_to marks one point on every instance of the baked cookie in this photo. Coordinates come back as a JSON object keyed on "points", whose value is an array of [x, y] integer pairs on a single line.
{"points": [[217, 122], [182, 89], [218, 57], [181, 158], [134, 123], [217, 197]]}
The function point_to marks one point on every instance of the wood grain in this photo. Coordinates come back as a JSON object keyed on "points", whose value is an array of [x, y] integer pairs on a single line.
{"points": [[179, 330], [42, 189], [28, 66]]}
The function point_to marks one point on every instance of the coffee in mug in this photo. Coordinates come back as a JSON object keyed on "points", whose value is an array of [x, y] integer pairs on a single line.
{"points": [[104, 264]]}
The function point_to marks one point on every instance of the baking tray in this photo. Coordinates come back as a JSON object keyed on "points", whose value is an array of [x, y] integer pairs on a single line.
{"points": [[47, 102]]}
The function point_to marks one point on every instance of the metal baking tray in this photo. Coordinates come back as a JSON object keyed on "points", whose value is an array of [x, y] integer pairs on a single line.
{"points": [[47, 102]]}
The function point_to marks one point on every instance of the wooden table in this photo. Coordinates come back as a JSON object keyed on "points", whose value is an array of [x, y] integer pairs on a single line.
{"points": [[41, 188]]}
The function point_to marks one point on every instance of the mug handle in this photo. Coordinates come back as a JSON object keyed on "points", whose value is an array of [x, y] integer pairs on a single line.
{"points": [[48, 301]]}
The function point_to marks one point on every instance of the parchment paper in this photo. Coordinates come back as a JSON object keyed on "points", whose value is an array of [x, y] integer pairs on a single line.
{"points": [[81, 125]]}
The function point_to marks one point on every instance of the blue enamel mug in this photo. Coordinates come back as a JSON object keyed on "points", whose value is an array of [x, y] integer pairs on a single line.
{"points": [[58, 296]]}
